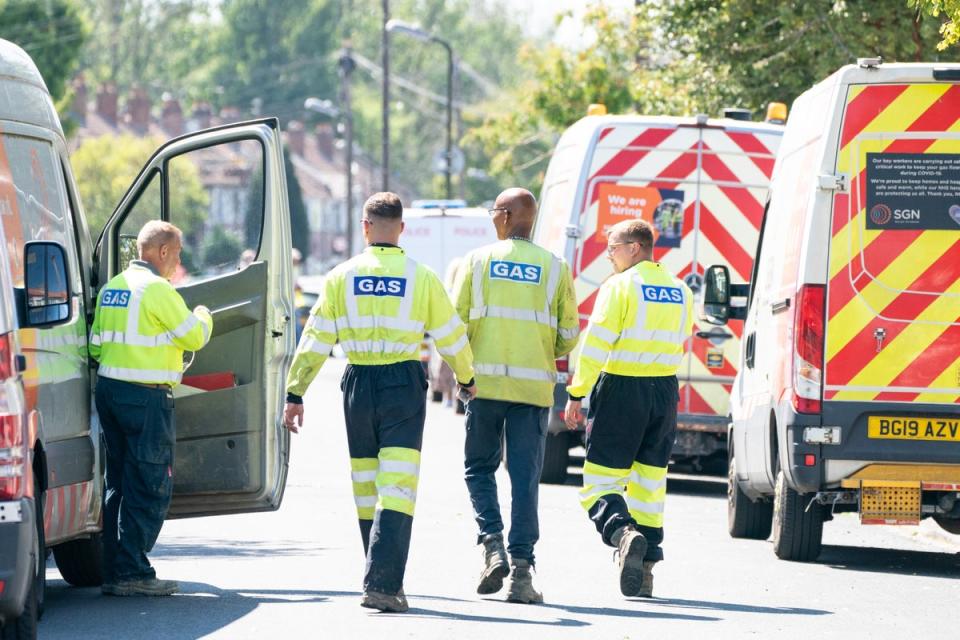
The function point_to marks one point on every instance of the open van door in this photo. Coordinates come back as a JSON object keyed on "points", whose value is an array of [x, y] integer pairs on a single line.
{"points": [[226, 190]]}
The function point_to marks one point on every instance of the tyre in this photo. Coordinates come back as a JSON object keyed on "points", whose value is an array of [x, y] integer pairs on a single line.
{"points": [[79, 561], [556, 459], [950, 525], [745, 518], [25, 626], [797, 523], [436, 396]]}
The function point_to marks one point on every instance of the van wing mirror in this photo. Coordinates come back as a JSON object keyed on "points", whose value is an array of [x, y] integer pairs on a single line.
{"points": [[722, 301], [47, 286]]}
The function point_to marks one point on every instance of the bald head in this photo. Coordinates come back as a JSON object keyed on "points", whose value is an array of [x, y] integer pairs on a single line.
{"points": [[516, 212]]}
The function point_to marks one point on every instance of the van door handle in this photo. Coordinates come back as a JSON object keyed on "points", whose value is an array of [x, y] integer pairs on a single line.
{"points": [[749, 350], [780, 306], [716, 335]]}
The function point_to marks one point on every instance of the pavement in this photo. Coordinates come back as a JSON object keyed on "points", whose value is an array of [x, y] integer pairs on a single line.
{"points": [[297, 572]]}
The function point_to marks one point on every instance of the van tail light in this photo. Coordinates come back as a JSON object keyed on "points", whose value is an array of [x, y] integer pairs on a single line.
{"points": [[13, 452], [808, 336], [563, 365]]}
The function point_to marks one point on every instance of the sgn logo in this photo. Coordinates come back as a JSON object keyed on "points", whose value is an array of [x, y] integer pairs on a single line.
{"points": [[379, 286], [880, 214], [115, 298], [515, 271], [906, 214], [653, 293]]}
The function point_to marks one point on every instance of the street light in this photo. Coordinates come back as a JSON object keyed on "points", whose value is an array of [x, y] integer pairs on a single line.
{"points": [[399, 26]]}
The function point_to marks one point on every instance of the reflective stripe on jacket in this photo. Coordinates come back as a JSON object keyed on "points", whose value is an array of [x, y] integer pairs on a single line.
{"points": [[521, 313], [638, 327], [378, 305], [141, 328]]}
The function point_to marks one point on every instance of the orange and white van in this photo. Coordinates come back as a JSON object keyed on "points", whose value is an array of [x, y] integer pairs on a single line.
{"points": [[702, 183], [848, 396]]}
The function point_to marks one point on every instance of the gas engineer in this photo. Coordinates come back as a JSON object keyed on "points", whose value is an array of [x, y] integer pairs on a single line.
{"points": [[521, 313], [633, 343], [140, 330], [378, 305]]}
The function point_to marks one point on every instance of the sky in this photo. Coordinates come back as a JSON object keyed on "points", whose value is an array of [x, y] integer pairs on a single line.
{"points": [[541, 14]]}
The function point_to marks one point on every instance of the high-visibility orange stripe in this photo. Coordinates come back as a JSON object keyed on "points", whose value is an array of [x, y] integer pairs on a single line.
{"points": [[866, 106]]}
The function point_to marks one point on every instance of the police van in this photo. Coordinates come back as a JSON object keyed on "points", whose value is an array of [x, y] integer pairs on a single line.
{"points": [[702, 183], [848, 395], [231, 453]]}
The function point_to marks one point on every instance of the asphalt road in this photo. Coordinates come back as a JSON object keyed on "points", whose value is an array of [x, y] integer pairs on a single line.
{"points": [[296, 573]]}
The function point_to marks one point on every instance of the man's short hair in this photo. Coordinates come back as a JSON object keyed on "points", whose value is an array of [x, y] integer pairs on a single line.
{"points": [[157, 233], [634, 231], [384, 205]]}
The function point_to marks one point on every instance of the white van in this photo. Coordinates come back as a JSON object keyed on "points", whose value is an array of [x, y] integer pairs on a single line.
{"points": [[848, 396], [702, 183], [232, 451]]}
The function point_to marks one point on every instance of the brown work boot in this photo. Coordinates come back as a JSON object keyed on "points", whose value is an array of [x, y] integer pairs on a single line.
{"points": [[140, 587], [385, 602], [495, 565], [646, 587], [521, 584], [631, 548]]}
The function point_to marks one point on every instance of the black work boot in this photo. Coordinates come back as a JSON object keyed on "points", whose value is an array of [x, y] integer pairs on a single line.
{"points": [[396, 603], [521, 588], [495, 565], [631, 548], [140, 587], [646, 588]]}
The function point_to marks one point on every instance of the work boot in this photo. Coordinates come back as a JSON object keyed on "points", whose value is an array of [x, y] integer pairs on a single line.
{"points": [[646, 587], [631, 548], [521, 584], [495, 565], [140, 587], [384, 601]]}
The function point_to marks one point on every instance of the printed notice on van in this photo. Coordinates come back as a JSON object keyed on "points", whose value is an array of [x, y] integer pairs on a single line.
{"points": [[663, 208], [913, 191]]}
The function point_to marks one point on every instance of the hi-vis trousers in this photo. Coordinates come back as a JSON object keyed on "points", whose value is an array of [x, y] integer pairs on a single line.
{"points": [[631, 429], [385, 407]]}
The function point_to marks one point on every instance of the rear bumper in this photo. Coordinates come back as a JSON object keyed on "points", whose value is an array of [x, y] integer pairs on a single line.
{"points": [[16, 561]]}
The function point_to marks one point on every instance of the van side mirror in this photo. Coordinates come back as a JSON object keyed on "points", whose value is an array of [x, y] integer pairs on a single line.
{"points": [[723, 301], [47, 295]]}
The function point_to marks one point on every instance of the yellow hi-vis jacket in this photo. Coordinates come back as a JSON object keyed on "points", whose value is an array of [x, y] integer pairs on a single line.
{"points": [[521, 314], [378, 305], [142, 327], [640, 322]]}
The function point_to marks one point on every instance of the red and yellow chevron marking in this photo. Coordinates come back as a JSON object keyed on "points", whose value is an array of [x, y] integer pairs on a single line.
{"points": [[65, 510], [904, 282], [730, 216]]}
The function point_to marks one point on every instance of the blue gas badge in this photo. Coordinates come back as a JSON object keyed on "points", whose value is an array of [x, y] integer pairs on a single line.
{"points": [[115, 298], [515, 271], [379, 286], [653, 293]]}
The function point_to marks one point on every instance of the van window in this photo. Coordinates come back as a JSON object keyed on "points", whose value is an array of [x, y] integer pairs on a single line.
{"points": [[147, 207], [555, 216], [33, 204]]}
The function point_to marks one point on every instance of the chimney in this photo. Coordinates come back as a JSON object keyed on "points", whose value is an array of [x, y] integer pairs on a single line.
{"points": [[107, 103], [171, 115], [230, 114], [296, 137], [138, 109], [202, 114], [79, 107], [325, 139]]}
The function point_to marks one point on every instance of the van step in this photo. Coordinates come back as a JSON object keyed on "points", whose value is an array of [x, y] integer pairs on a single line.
{"points": [[890, 502]]}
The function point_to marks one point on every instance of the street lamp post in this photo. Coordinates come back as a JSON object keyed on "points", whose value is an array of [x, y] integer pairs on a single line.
{"points": [[415, 32]]}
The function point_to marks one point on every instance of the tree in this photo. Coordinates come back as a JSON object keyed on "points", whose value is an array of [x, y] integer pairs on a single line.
{"points": [[52, 32], [950, 10], [299, 223]]}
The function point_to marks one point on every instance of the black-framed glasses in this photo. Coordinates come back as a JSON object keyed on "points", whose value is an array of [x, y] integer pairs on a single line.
{"points": [[611, 247], [366, 220], [493, 211]]}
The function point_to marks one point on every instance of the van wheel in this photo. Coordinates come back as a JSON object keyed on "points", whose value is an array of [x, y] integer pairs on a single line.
{"points": [[745, 518], [797, 523], [556, 459], [80, 561], [25, 626]]}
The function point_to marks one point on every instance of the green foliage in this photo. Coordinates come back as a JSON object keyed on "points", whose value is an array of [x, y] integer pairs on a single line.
{"points": [[950, 11], [220, 248], [52, 32], [299, 223], [105, 167]]}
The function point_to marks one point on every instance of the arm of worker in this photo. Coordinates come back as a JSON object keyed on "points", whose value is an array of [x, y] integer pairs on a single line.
{"points": [[319, 336], [603, 331], [450, 335], [462, 292], [567, 314], [190, 331]]}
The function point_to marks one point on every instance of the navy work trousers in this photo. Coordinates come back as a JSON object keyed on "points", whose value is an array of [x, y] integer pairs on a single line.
{"points": [[139, 434], [384, 406], [525, 427]]}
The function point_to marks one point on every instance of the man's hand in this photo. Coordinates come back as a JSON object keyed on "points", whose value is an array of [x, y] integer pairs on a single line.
{"points": [[201, 307], [293, 417], [471, 391], [571, 414]]}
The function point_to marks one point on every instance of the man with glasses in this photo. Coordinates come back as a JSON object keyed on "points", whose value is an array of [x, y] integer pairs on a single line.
{"points": [[632, 349], [521, 313], [378, 305]]}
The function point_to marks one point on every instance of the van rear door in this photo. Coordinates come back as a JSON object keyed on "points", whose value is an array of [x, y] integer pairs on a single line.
{"points": [[226, 189], [893, 301]]}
